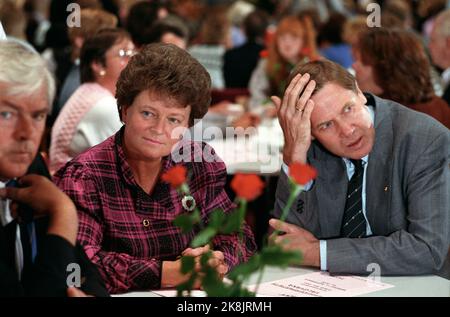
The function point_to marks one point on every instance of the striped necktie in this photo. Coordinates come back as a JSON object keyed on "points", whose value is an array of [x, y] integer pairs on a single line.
{"points": [[354, 223]]}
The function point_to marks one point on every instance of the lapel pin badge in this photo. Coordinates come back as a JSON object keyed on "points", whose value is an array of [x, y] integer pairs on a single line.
{"points": [[188, 202]]}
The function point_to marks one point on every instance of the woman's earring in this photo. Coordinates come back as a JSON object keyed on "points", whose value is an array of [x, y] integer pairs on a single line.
{"points": [[102, 73]]}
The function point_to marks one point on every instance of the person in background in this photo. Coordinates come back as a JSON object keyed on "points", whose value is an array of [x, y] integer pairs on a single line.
{"points": [[407, 80], [192, 12], [169, 30], [240, 62], [439, 46], [237, 12], [38, 222], [13, 19], [126, 210], [323, 8], [350, 34], [331, 43], [294, 42], [91, 21], [352, 28], [89, 118], [57, 47], [397, 14], [141, 17], [212, 42]]}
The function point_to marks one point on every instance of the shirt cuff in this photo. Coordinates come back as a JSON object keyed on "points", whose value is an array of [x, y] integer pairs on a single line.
{"points": [[323, 255]]}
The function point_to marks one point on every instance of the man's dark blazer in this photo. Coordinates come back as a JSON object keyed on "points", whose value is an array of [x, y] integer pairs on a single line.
{"points": [[407, 197], [47, 276]]}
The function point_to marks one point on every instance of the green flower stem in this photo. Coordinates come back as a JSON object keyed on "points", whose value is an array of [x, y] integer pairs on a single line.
{"points": [[242, 209], [184, 190], [258, 281], [295, 191]]}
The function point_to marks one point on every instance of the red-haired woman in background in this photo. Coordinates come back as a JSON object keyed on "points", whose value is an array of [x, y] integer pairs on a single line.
{"points": [[293, 43]]}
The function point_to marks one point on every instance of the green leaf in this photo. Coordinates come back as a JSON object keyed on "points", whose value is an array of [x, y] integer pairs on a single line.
{"points": [[184, 189], [217, 219], [187, 264], [195, 216], [187, 221], [237, 290], [203, 237], [233, 221], [245, 269], [276, 256], [205, 257], [187, 286], [184, 222], [213, 285]]}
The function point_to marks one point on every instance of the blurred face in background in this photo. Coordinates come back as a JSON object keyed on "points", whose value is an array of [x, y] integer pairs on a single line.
{"points": [[171, 38], [365, 76], [289, 46], [116, 59], [439, 49]]}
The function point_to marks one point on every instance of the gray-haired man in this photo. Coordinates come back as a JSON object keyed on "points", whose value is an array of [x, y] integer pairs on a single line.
{"points": [[34, 253]]}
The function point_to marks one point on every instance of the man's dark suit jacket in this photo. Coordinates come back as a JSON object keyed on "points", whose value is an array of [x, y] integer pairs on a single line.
{"points": [[47, 276]]}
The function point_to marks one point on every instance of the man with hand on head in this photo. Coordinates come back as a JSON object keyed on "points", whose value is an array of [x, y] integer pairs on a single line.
{"points": [[383, 191], [38, 222]]}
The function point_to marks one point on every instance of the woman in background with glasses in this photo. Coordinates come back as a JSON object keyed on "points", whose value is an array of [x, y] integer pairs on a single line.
{"points": [[90, 115]]}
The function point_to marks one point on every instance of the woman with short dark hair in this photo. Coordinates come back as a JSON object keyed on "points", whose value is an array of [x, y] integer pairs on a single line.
{"points": [[89, 116], [125, 210]]}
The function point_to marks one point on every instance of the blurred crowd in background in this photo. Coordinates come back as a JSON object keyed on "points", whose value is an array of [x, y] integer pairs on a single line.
{"points": [[248, 48]]}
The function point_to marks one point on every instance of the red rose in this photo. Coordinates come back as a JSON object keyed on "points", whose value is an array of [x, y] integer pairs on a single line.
{"points": [[264, 54], [302, 173], [306, 51], [247, 186], [175, 176]]}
